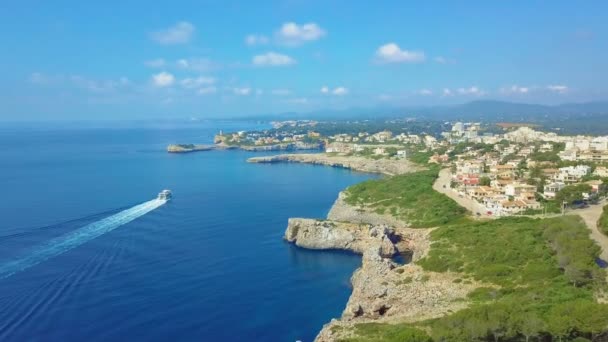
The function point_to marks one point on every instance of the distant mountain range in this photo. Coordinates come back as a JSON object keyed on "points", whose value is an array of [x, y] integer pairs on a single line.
{"points": [[487, 110]]}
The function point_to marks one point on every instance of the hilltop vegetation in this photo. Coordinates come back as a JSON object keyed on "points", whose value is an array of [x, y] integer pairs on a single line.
{"points": [[541, 278], [409, 197]]}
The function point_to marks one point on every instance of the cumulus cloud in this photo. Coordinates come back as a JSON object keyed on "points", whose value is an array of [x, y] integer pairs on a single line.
{"points": [[241, 91], [272, 59], [196, 82], [425, 92], [392, 53], [560, 89], [447, 92], [256, 39], [474, 91], [515, 89], [155, 63], [293, 34], [163, 79], [196, 64], [340, 91], [180, 33]]}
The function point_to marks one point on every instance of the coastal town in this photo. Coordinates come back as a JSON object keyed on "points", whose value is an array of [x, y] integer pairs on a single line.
{"points": [[521, 171]]}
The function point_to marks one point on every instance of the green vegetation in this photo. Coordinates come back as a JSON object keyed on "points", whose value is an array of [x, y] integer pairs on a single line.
{"points": [[602, 223], [540, 274], [377, 332], [419, 155], [572, 193], [409, 197]]}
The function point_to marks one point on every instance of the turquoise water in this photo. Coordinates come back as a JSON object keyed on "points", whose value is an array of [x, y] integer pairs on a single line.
{"points": [[84, 255]]}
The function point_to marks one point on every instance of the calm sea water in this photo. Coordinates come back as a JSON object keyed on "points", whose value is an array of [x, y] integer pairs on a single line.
{"points": [[208, 266]]}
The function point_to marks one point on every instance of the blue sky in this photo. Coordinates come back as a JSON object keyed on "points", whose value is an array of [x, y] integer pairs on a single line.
{"points": [[143, 59]]}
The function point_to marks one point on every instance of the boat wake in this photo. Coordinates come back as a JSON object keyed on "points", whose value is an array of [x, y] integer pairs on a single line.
{"points": [[62, 244]]}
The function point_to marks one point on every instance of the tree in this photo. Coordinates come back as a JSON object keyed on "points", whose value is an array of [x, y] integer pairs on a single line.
{"points": [[485, 181], [572, 193], [530, 325]]}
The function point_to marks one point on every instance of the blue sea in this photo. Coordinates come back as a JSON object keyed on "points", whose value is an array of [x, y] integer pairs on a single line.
{"points": [[86, 255]]}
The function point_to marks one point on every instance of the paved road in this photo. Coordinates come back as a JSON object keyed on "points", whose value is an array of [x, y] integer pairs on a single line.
{"points": [[590, 216], [442, 185]]}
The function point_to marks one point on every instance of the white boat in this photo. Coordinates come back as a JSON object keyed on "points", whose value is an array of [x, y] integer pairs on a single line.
{"points": [[165, 195]]}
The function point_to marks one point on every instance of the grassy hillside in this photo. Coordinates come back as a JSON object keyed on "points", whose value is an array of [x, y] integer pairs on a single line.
{"points": [[409, 197], [541, 278]]}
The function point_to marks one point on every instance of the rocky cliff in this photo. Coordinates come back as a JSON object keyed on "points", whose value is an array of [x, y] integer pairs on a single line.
{"points": [[363, 164], [317, 234], [383, 290]]}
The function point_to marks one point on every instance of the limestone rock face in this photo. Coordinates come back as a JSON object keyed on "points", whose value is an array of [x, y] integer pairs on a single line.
{"points": [[384, 166], [322, 234], [383, 290]]}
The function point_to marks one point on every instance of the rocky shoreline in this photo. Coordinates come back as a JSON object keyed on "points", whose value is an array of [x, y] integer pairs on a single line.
{"points": [[389, 167], [383, 290], [186, 148]]}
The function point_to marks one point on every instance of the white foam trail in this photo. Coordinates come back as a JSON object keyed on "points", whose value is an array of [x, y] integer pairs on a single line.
{"points": [[78, 237]]}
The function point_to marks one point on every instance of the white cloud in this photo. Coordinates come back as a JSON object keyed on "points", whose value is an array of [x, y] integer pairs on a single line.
{"points": [[272, 59], [560, 89], [195, 64], [155, 63], [441, 60], [163, 79], [197, 82], [242, 91], [298, 100], [425, 92], [447, 92], [180, 33], [293, 34], [340, 91], [98, 85], [392, 53], [207, 90], [475, 91], [280, 92], [256, 39], [515, 89]]}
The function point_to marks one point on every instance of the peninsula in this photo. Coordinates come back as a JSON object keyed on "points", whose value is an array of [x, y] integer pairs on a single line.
{"points": [[444, 258]]}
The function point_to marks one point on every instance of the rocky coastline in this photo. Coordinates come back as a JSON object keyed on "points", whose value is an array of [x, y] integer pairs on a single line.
{"points": [[384, 166], [297, 146], [187, 148], [383, 290]]}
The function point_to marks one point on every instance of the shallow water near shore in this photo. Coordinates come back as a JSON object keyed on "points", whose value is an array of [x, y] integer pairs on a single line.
{"points": [[209, 265]]}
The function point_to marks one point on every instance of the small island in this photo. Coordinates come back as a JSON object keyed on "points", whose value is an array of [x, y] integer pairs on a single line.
{"points": [[186, 148]]}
